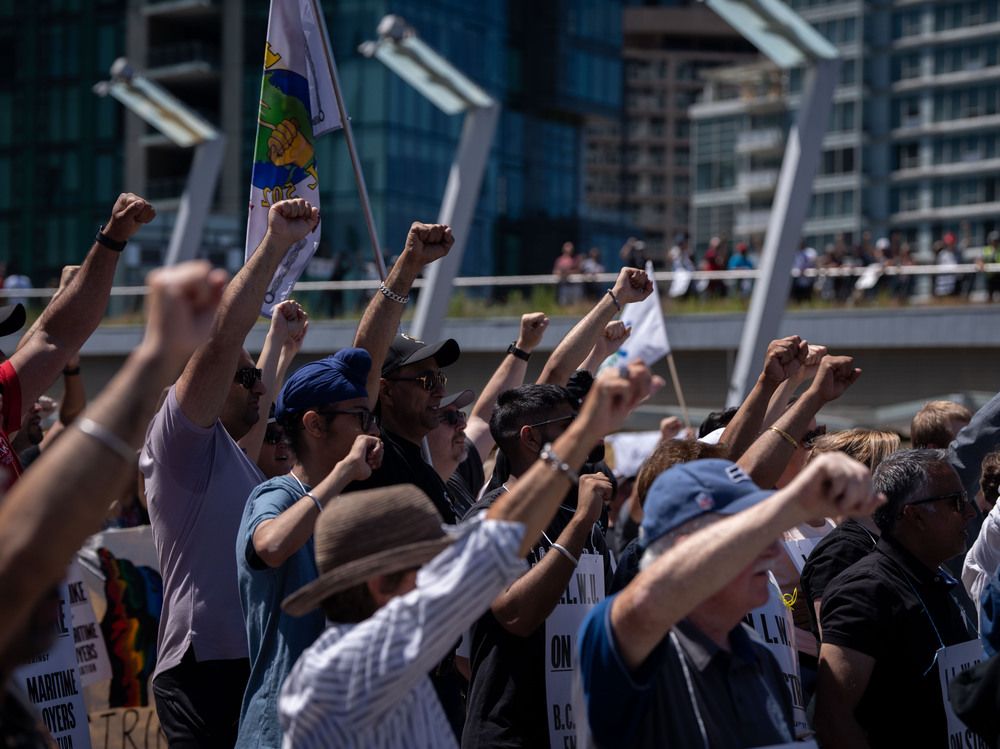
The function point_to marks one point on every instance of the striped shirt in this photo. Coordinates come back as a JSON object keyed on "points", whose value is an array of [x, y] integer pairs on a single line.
{"points": [[366, 685]]}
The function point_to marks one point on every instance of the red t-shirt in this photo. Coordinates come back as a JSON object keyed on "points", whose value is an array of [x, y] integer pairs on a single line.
{"points": [[10, 421]]}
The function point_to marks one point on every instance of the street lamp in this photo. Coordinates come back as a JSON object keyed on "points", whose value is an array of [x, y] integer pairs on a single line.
{"points": [[400, 49]]}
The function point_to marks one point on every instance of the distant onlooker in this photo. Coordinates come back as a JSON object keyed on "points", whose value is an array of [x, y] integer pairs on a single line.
{"points": [[565, 265], [15, 280], [591, 266]]}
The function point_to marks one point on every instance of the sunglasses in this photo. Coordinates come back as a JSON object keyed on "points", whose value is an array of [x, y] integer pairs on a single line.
{"points": [[454, 418], [427, 380], [248, 376], [365, 417], [958, 499], [275, 437], [553, 421]]}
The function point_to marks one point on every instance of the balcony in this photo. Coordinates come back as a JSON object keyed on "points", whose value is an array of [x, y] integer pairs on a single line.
{"points": [[762, 181], [760, 142], [751, 222]]}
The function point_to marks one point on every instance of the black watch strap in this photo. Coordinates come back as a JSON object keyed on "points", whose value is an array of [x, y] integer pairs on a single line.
{"points": [[518, 352], [105, 241]]}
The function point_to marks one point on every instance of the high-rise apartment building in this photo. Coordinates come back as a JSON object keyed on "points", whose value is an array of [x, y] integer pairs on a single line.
{"points": [[910, 139], [642, 162]]}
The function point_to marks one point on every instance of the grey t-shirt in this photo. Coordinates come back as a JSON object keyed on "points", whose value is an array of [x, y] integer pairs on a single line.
{"points": [[197, 483]]}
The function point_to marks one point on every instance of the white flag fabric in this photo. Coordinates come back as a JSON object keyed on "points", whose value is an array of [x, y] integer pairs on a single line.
{"points": [[297, 104], [648, 340]]}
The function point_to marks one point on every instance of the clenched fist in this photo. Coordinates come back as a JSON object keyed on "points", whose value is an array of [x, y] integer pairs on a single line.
{"points": [[784, 358], [129, 213], [632, 285], [288, 221], [533, 325], [426, 243], [287, 145], [836, 374]]}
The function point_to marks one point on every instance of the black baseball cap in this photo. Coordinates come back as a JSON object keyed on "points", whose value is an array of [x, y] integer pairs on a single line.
{"points": [[405, 350], [12, 318]]}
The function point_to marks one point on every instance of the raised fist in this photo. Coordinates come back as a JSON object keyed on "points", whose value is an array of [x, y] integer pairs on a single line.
{"points": [[593, 492], [835, 375], [288, 221], [613, 396], [180, 308], [287, 145], [632, 285], [129, 213], [835, 485], [533, 325], [784, 358], [611, 339], [426, 243], [365, 456]]}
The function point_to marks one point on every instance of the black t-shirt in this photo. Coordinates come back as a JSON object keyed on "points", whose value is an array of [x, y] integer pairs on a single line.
{"points": [[403, 463], [506, 701], [892, 608], [839, 549], [464, 484]]}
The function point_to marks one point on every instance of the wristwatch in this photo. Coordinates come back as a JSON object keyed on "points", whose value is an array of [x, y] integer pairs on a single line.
{"points": [[518, 352]]}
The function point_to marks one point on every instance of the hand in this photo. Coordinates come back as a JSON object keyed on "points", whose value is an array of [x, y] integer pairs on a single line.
{"points": [[46, 406], [289, 221], [784, 358], [129, 213], [426, 243], [632, 285], [365, 456], [289, 321], [613, 396], [287, 145], [180, 308], [834, 485], [835, 375], [670, 427], [811, 366], [533, 327], [594, 490], [614, 335]]}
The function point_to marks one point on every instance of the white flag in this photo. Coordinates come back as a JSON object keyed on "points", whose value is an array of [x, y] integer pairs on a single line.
{"points": [[648, 340], [297, 104]]}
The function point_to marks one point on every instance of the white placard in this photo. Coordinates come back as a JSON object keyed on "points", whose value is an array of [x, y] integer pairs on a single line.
{"points": [[799, 550], [91, 653], [52, 685], [585, 590], [952, 661], [773, 623]]}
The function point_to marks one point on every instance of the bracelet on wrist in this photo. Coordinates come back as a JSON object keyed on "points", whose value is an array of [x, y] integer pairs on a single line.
{"points": [[520, 353], [71, 371], [391, 295], [106, 437], [105, 241], [566, 553], [614, 299], [316, 502], [557, 464], [785, 436]]}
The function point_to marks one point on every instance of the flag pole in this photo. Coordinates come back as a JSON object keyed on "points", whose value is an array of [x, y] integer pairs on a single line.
{"points": [[359, 176], [678, 389]]}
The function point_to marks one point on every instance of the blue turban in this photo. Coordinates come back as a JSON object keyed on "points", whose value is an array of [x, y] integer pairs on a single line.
{"points": [[336, 378]]}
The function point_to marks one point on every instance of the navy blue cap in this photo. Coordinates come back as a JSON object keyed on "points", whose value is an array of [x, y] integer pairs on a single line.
{"points": [[336, 378], [690, 490]]}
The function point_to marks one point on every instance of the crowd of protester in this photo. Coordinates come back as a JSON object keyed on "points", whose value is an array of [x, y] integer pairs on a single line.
{"points": [[353, 556]]}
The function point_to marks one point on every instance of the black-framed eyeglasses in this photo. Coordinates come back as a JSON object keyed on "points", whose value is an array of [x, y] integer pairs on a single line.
{"points": [[427, 380], [365, 417], [454, 418], [248, 376], [958, 499], [275, 437], [570, 417], [813, 434]]}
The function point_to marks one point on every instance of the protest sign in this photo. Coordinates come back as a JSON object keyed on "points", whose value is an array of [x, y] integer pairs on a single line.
{"points": [[126, 728], [91, 653], [952, 661]]}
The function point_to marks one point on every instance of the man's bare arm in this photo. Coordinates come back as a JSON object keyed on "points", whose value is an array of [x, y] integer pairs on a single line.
{"points": [[425, 243], [842, 679], [63, 497], [632, 285], [204, 385], [74, 312]]}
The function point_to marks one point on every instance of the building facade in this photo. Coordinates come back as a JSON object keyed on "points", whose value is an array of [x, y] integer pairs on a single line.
{"points": [[909, 141]]}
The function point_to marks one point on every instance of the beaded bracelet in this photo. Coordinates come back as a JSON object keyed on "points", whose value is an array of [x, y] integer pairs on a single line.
{"points": [[558, 464]]}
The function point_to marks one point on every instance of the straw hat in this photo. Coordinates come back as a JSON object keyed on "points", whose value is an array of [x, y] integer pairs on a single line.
{"points": [[364, 534]]}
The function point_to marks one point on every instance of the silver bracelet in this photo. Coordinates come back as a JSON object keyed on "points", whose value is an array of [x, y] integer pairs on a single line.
{"points": [[392, 295], [558, 464], [106, 437], [315, 501], [566, 553]]}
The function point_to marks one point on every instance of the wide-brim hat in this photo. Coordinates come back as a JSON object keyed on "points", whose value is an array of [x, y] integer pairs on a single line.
{"points": [[12, 317], [365, 534], [405, 350]]}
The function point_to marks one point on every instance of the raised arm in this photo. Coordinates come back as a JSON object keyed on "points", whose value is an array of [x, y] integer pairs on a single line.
{"points": [[785, 391], [664, 593], [73, 313], [289, 324], [632, 285], [767, 457], [614, 335], [525, 605], [510, 374], [205, 382], [782, 361], [63, 498], [425, 243]]}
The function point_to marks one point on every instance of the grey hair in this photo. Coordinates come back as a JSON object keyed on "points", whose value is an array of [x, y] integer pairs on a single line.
{"points": [[901, 477], [661, 545]]}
